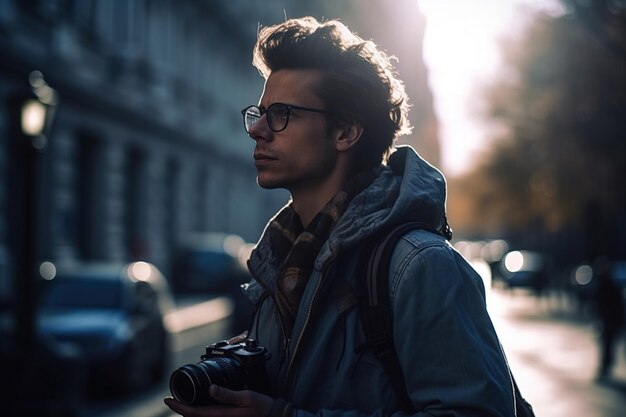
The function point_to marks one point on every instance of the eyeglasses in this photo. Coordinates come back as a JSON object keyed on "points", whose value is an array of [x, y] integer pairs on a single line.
{"points": [[277, 115]]}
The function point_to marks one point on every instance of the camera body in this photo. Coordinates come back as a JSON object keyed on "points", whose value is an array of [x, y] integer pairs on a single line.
{"points": [[238, 367]]}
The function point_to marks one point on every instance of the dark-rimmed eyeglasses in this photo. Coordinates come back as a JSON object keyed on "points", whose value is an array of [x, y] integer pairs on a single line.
{"points": [[277, 115]]}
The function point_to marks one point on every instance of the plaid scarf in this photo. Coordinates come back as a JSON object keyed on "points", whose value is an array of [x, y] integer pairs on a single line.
{"points": [[298, 247]]}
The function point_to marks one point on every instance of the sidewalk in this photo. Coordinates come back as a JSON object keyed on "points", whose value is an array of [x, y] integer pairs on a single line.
{"points": [[553, 354]]}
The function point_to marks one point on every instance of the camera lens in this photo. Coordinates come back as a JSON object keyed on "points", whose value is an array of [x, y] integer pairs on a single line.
{"points": [[183, 385], [190, 384]]}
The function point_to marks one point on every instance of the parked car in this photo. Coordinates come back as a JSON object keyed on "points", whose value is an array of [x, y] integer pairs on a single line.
{"points": [[525, 269], [114, 314], [618, 273], [209, 262], [214, 264], [583, 283]]}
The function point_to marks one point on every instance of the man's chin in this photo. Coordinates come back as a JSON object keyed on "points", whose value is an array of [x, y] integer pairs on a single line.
{"points": [[267, 185]]}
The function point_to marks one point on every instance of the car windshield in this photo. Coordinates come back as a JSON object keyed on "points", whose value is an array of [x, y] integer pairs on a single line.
{"points": [[87, 293]]}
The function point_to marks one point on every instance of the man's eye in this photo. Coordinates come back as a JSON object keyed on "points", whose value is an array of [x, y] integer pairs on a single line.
{"points": [[280, 112]]}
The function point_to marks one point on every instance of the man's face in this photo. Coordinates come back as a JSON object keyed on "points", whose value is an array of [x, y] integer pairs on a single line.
{"points": [[303, 155]]}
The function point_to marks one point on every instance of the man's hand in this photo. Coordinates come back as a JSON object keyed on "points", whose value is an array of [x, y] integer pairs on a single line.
{"points": [[232, 404]]}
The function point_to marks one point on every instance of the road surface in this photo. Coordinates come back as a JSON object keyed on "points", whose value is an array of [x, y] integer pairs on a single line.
{"points": [[553, 354]]}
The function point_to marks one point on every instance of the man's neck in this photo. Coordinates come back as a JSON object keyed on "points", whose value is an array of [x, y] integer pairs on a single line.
{"points": [[308, 203], [310, 199], [307, 207]]}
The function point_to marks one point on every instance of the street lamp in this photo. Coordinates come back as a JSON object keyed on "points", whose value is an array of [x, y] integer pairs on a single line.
{"points": [[38, 111], [33, 117], [32, 111]]}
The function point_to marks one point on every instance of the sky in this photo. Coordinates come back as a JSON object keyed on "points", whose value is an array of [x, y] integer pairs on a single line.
{"points": [[461, 52]]}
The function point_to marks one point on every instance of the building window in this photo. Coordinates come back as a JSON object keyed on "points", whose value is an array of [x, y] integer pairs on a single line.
{"points": [[135, 212], [171, 199], [83, 14], [90, 201], [202, 209]]}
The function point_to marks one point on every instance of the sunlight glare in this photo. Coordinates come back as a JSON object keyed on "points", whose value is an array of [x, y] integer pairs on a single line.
{"points": [[47, 270], [140, 271], [232, 244], [483, 269], [514, 261], [461, 52], [583, 274], [33, 117]]}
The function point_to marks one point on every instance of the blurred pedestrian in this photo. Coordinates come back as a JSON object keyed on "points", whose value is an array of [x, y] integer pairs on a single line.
{"points": [[609, 306], [327, 119]]}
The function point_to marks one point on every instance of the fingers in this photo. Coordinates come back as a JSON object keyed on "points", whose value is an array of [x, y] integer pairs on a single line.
{"points": [[239, 338], [194, 411], [231, 403], [256, 403], [182, 409], [230, 397]]}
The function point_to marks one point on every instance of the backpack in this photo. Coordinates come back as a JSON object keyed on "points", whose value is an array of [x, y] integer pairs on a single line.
{"points": [[375, 310]]}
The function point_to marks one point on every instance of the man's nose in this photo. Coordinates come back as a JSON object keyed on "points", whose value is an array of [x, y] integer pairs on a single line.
{"points": [[261, 129]]}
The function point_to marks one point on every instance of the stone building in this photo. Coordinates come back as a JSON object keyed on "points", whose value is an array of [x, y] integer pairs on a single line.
{"points": [[146, 143]]}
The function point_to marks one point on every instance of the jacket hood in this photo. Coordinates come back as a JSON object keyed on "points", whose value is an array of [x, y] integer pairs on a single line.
{"points": [[407, 189]]}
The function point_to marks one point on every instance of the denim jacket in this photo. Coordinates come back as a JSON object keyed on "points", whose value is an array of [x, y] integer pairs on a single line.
{"points": [[448, 349]]}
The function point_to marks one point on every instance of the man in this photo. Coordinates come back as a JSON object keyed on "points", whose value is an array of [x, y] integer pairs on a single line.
{"points": [[609, 306], [327, 118]]}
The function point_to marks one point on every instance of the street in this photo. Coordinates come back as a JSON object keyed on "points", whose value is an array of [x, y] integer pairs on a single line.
{"points": [[552, 354]]}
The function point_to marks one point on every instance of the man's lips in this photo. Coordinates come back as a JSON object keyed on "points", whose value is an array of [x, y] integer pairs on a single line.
{"points": [[262, 158]]}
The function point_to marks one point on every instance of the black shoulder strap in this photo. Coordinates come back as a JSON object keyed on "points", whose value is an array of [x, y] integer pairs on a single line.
{"points": [[375, 310], [374, 306]]}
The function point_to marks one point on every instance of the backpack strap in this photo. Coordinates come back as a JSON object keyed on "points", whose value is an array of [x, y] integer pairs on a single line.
{"points": [[375, 307], [375, 310]]}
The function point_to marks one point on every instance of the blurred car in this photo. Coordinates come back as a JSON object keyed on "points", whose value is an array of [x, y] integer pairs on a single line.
{"points": [[209, 262], [583, 283], [525, 269], [214, 264], [617, 272], [114, 315]]}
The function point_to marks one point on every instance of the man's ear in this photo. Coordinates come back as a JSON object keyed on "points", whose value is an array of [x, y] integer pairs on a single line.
{"points": [[348, 135]]}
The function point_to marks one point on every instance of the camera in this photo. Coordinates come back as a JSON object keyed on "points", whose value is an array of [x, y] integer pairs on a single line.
{"points": [[238, 367]]}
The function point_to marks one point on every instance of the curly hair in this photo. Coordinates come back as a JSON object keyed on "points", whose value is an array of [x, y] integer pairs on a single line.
{"points": [[358, 81]]}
